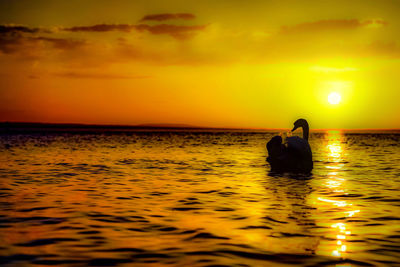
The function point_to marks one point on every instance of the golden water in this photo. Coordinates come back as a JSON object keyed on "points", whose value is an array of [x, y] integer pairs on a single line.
{"points": [[197, 199]]}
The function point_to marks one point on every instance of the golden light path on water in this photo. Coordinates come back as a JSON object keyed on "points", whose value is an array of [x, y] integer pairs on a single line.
{"points": [[336, 185]]}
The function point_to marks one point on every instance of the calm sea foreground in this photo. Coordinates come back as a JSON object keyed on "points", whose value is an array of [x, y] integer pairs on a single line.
{"points": [[193, 198]]}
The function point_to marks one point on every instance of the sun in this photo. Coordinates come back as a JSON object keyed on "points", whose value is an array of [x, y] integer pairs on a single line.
{"points": [[334, 98]]}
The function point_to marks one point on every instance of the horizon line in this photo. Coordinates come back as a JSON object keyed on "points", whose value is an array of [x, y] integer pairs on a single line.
{"points": [[178, 126]]}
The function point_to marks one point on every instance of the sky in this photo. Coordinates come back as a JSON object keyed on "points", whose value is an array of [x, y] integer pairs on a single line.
{"points": [[246, 64]]}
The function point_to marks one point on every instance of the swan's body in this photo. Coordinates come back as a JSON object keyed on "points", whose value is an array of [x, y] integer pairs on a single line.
{"points": [[295, 155]]}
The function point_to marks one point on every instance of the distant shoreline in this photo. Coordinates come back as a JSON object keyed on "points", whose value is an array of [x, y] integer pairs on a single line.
{"points": [[40, 127], [26, 127]]}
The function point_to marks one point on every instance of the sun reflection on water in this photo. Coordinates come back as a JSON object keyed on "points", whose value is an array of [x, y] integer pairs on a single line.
{"points": [[336, 183], [335, 150]]}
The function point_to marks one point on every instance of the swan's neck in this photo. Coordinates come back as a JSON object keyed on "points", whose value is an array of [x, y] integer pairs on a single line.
{"points": [[305, 132]]}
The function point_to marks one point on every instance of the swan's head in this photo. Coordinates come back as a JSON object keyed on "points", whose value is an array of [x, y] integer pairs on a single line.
{"points": [[300, 123]]}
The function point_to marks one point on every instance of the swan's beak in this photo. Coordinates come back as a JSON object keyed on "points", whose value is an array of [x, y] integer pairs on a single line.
{"points": [[294, 128]]}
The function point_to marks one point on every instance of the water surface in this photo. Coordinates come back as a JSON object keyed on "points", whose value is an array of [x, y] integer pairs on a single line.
{"points": [[196, 199]]}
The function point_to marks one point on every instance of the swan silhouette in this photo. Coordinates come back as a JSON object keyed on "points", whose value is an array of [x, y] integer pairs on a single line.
{"points": [[293, 156]]}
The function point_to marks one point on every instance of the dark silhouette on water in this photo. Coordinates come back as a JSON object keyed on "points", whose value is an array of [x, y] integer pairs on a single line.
{"points": [[294, 155]]}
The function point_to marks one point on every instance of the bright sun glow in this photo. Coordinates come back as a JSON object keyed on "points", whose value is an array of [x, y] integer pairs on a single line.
{"points": [[334, 98]]}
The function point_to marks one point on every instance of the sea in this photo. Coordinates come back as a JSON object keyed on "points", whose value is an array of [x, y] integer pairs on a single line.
{"points": [[196, 198]]}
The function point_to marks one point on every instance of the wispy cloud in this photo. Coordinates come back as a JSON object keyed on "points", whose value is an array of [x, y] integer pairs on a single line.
{"points": [[18, 43], [383, 49], [13, 29], [176, 31], [168, 16], [102, 28], [93, 75], [17, 38], [329, 25], [288, 43], [61, 43]]}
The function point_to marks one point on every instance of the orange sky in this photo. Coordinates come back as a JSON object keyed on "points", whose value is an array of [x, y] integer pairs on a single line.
{"points": [[256, 64]]}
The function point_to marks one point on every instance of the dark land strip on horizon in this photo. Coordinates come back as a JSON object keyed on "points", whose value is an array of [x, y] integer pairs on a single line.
{"points": [[40, 127]]}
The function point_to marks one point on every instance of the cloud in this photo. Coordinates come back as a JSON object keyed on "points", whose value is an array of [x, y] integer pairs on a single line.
{"points": [[87, 75], [329, 25], [17, 43], [218, 45], [180, 32], [374, 23], [10, 45], [177, 31], [168, 16], [382, 49], [102, 28], [11, 29], [17, 38], [61, 43], [319, 40]]}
